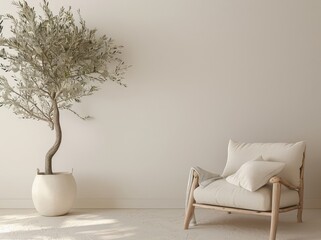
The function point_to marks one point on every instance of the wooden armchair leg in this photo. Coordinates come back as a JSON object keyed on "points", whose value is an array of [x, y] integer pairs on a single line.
{"points": [[189, 212], [188, 215], [299, 215], [300, 210], [276, 193]]}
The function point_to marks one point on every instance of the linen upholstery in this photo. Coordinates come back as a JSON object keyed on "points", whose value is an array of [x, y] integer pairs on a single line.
{"points": [[222, 193], [256, 173], [289, 153]]}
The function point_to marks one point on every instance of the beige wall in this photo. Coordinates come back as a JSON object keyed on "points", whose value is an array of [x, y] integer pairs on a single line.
{"points": [[203, 72]]}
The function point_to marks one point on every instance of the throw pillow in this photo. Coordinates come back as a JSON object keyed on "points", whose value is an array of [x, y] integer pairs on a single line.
{"points": [[256, 173]]}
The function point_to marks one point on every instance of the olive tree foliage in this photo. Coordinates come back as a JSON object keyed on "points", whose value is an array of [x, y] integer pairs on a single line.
{"points": [[51, 61]]}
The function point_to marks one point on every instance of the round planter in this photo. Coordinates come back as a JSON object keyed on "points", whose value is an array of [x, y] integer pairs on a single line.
{"points": [[54, 195]]}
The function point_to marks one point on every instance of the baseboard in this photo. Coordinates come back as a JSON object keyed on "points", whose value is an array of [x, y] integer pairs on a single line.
{"points": [[125, 203], [103, 203], [128, 203]]}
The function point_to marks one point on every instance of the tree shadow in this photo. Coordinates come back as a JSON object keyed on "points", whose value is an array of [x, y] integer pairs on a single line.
{"points": [[76, 225]]}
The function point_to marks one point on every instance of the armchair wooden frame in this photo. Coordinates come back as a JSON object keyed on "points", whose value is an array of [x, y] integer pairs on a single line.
{"points": [[274, 213]]}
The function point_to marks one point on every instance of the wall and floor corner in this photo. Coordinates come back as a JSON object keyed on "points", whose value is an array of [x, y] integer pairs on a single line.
{"points": [[204, 72]]}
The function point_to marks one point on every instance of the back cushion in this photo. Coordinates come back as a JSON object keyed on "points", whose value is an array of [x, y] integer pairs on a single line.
{"points": [[289, 153]]}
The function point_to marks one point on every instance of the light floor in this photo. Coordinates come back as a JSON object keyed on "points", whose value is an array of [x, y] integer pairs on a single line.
{"points": [[152, 224]]}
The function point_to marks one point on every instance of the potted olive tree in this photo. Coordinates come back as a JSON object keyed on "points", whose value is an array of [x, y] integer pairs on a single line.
{"points": [[49, 62]]}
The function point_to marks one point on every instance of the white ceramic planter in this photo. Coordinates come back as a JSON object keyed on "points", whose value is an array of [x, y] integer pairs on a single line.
{"points": [[54, 195]]}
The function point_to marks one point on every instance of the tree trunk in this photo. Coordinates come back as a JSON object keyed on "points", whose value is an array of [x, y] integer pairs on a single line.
{"points": [[52, 151]]}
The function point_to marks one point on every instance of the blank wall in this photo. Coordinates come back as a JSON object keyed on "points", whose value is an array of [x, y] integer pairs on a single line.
{"points": [[203, 72]]}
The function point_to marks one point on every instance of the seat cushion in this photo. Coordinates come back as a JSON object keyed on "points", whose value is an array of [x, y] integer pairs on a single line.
{"points": [[222, 193], [289, 153]]}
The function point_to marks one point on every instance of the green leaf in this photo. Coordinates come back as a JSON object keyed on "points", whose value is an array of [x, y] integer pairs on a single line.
{"points": [[53, 55]]}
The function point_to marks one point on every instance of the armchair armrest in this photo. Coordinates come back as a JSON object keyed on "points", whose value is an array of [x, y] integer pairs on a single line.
{"points": [[276, 179]]}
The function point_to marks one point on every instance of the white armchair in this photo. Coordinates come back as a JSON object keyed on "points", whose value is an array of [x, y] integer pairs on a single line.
{"points": [[282, 193]]}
